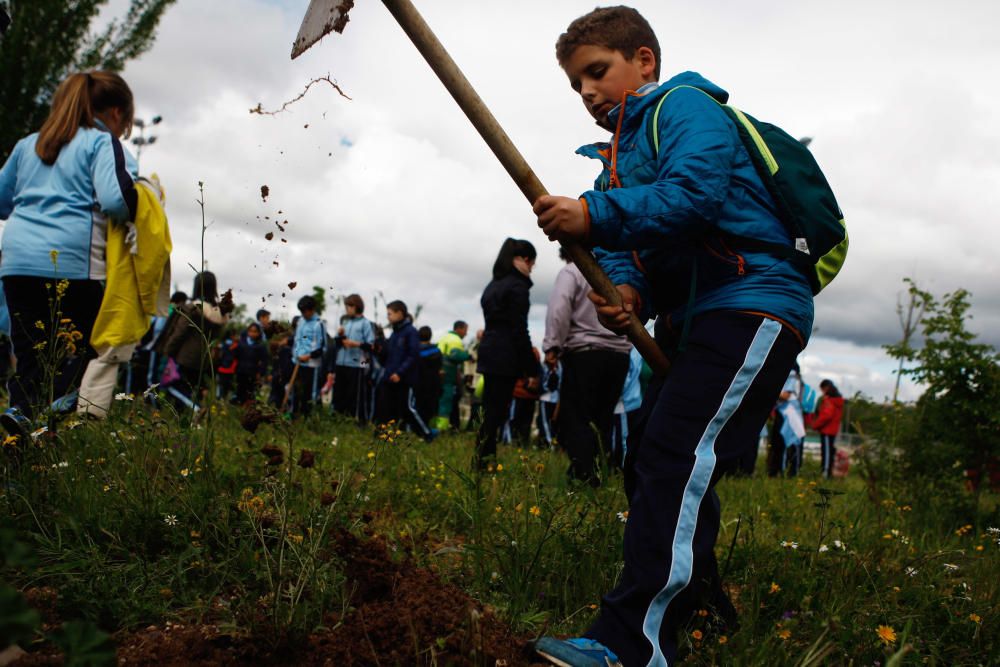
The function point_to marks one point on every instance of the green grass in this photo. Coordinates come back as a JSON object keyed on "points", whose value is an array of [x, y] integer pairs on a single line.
{"points": [[146, 518]]}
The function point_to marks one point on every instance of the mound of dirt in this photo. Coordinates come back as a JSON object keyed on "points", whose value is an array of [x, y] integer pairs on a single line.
{"points": [[401, 615]]}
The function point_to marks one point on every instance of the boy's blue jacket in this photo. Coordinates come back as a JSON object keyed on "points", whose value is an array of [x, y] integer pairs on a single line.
{"points": [[357, 329], [657, 224], [251, 356], [310, 338], [402, 351], [64, 206]]}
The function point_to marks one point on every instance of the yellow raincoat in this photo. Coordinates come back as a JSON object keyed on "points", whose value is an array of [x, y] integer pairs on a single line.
{"points": [[138, 272]]}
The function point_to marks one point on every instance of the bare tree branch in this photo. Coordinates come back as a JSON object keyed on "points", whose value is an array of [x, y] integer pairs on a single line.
{"points": [[323, 79]]}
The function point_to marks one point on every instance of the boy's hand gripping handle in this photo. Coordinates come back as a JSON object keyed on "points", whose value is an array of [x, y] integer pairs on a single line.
{"points": [[451, 76]]}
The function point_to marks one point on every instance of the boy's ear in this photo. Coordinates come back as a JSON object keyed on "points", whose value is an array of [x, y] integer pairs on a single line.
{"points": [[646, 60]]}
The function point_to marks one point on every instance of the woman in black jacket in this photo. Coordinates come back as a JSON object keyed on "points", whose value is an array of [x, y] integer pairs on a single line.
{"points": [[505, 351]]}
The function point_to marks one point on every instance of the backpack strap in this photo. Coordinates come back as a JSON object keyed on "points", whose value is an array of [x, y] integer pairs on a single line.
{"points": [[734, 114]]}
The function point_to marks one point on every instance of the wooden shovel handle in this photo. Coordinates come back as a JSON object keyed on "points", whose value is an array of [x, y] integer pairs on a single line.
{"points": [[486, 124]]}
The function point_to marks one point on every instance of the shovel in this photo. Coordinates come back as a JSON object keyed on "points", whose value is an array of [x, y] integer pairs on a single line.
{"points": [[325, 16]]}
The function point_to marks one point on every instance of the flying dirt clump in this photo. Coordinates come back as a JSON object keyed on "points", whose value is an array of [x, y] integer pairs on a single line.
{"points": [[264, 192]]}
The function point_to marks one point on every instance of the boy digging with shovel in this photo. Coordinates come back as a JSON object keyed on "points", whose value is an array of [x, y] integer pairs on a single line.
{"points": [[731, 320]]}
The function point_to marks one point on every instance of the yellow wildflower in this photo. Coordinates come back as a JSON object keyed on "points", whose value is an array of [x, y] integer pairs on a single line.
{"points": [[10, 441], [723, 639], [774, 588], [697, 635], [371, 455], [975, 618], [784, 634], [536, 510], [886, 634], [499, 467], [703, 613]]}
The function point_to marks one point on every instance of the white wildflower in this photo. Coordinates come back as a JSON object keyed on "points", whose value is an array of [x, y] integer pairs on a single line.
{"points": [[622, 516], [951, 567], [150, 390], [789, 545], [124, 397], [911, 571], [823, 548], [993, 531], [170, 519], [839, 545]]}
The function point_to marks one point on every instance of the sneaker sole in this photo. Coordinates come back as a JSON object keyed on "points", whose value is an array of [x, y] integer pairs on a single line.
{"points": [[562, 663]]}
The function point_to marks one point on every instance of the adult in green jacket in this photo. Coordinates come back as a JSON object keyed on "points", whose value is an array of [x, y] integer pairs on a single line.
{"points": [[454, 355]]}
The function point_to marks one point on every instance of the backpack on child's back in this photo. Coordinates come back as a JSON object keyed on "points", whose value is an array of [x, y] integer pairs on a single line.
{"points": [[802, 196]]}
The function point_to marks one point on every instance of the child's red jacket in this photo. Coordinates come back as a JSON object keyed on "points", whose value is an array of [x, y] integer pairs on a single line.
{"points": [[827, 419]]}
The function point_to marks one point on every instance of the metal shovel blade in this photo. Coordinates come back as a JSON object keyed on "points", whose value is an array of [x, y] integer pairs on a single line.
{"points": [[322, 17]]}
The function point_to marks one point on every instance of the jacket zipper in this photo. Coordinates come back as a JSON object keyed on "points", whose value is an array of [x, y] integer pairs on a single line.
{"points": [[738, 261]]}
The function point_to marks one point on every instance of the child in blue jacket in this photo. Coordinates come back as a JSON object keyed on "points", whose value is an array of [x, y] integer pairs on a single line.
{"points": [[251, 363], [59, 190], [308, 347], [401, 373], [730, 320]]}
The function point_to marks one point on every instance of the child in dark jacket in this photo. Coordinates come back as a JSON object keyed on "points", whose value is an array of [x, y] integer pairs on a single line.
{"points": [[401, 357], [282, 366], [676, 181], [251, 363], [428, 389], [225, 367]]}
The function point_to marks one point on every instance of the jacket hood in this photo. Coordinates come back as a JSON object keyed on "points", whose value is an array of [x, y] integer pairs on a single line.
{"points": [[402, 324], [635, 107]]}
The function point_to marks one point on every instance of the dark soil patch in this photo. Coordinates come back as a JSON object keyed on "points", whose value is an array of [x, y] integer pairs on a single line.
{"points": [[402, 615]]}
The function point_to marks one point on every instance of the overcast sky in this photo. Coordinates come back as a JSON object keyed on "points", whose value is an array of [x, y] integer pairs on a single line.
{"points": [[393, 192]]}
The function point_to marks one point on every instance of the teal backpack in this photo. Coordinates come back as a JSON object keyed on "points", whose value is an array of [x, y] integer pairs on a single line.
{"points": [[801, 194]]}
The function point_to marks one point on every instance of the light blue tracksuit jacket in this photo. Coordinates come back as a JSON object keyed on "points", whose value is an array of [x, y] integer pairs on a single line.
{"points": [[64, 206]]}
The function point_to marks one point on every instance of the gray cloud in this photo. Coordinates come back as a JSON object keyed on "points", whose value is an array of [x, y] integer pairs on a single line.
{"points": [[416, 206]]}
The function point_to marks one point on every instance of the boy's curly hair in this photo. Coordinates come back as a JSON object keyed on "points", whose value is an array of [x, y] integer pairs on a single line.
{"points": [[620, 28]]}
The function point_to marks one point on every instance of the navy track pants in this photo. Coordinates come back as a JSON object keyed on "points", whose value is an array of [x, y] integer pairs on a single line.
{"points": [[695, 425]]}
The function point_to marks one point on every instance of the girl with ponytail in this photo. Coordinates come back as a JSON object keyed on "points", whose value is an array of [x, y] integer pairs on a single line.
{"points": [[59, 189]]}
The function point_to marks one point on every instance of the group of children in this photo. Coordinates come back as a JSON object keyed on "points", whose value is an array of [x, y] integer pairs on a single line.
{"points": [[681, 220], [366, 375]]}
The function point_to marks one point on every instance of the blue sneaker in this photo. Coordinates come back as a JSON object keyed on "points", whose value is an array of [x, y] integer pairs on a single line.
{"points": [[65, 405], [578, 652], [15, 423]]}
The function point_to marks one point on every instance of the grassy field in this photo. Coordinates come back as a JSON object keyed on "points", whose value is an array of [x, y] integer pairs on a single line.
{"points": [[147, 520]]}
